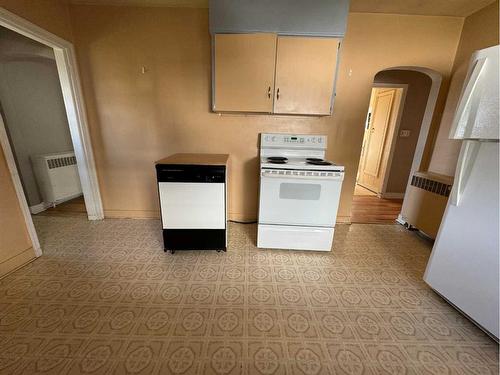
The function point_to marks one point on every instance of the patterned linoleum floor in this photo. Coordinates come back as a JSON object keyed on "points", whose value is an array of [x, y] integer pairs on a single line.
{"points": [[105, 299]]}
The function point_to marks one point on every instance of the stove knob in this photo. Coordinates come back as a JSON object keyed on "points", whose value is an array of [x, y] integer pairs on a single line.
{"points": [[320, 140], [273, 139]]}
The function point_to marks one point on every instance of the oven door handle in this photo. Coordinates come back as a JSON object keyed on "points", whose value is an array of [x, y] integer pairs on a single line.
{"points": [[337, 176]]}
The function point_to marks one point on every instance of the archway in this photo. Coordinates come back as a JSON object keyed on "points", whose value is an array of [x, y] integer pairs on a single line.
{"points": [[399, 147]]}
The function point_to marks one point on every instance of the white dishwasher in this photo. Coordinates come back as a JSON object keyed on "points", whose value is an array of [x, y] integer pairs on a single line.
{"points": [[192, 193]]}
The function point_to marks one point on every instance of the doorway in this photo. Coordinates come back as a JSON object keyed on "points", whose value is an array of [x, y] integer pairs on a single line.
{"points": [[23, 248], [380, 134], [397, 123], [32, 107]]}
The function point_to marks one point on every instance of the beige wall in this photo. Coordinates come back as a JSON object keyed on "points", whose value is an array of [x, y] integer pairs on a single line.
{"points": [[138, 118], [15, 245], [51, 15], [480, 31], [419, 85]]}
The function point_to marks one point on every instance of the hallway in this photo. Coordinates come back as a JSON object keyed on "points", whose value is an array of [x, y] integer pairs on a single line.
{"points": [[370, 209]]}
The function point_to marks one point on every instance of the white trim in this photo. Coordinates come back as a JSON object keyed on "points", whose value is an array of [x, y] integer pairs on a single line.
{"points": [[426, 120], [402, 102], [75, 111], [40, 207], [400, 220], [18, 187], [392, 195]]}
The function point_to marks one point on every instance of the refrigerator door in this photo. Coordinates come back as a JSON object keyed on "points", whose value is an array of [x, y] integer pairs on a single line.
{"points": [[463, 266], [476, 116]]}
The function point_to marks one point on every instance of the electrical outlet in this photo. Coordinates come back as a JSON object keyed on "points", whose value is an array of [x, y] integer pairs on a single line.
{"points": [[405, 133]]}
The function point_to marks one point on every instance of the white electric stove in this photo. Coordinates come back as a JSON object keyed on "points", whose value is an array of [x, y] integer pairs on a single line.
{"points": [[299, 193]]}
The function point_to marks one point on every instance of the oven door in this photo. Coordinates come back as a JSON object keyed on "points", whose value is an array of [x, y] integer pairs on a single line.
{"points": [[297, 198]]}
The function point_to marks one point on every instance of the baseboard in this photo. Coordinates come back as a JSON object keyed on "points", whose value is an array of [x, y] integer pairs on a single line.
{"points": [[343, 220], [17, 261], [392, 195], [131, 214], [143, 214], [40, 207], [68, 198], [236, 216], [400, 220]]}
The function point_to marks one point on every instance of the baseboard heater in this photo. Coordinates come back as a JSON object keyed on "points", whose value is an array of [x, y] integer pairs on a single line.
{"points": [[57, 177], [425, 201]]}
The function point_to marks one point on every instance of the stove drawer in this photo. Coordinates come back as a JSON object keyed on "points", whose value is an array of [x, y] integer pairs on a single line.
{"points": [[294, 237], [299, 200]]}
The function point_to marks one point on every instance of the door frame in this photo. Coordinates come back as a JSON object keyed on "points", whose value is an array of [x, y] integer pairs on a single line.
{"points": [[397, 124], [65, 58]]}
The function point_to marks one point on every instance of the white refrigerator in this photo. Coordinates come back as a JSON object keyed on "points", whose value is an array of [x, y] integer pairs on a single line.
{"points": [[464, 264]]}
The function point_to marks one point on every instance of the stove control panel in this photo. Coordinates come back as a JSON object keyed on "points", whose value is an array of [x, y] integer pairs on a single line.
{"points": [[293, 141]]}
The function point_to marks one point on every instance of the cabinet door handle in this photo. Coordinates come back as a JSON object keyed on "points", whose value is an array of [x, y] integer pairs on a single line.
{"points": [[278, 94], [269, 92]]}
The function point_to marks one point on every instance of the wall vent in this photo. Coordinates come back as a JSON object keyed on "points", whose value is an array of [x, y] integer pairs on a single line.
{"points": [[61, 162], [432, 186]]}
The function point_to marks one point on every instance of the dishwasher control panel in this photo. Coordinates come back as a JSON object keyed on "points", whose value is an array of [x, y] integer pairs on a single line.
{"points": [[190, 173]]}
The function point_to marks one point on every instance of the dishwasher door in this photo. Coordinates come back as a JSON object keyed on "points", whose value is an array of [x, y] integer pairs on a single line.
{"points": [[192, 205]]}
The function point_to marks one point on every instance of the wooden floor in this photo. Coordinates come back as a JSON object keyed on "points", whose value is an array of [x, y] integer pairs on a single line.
{"points": [[374, 210], [74, 207]]}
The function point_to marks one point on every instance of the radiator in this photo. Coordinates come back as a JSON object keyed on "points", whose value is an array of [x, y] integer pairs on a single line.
{"points": [[425, 201], [57, 177]]}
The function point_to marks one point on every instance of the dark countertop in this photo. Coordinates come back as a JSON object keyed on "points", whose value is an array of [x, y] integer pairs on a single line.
{"points": [[195, 159]]}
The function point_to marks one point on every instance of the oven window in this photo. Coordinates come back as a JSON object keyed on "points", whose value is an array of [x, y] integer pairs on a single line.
{"points": [[305, 192]]}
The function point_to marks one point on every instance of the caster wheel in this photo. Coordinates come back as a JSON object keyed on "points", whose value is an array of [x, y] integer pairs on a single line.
{"points": [[172, 251], [218, 250]]}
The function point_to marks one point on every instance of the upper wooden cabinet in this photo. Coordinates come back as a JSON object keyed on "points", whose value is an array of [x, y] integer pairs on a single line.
{"points": [[305, 72], [274, 74], [244, 72]]}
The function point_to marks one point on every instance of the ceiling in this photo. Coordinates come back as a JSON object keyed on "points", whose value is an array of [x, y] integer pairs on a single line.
{"points": [[458, 8]]}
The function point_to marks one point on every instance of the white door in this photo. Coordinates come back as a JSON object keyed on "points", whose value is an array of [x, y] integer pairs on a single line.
{"points": [[370, 174], [192, 205], [298, 200]]}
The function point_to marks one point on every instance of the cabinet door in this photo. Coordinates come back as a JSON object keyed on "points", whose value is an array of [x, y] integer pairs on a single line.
{"points": [[305, 72], [244, 72]]}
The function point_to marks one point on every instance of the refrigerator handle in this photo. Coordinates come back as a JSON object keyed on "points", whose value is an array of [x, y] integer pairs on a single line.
{"points": [[461, 118], [468, 154]]}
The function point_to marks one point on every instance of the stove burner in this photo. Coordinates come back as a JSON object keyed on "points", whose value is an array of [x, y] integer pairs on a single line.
{"points": [[277, 160], [318, 162], [314, 159]]}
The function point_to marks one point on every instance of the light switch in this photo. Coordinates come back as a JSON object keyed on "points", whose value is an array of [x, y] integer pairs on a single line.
{"points": [[404, 133]]}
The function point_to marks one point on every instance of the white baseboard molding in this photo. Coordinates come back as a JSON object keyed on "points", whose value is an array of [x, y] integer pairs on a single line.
{"points": [[400, 220], [393, 195], [68, 198], [40, 207]]}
